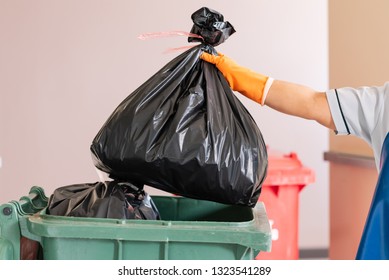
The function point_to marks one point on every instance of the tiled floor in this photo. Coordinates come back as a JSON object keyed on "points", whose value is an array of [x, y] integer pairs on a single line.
{"points": [[313, 254]]}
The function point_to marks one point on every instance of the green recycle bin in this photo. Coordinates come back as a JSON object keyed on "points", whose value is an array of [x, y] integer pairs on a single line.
{"points": [[189, 230]]}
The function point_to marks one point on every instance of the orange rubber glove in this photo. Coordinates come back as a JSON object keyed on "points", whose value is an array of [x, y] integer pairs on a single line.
{"points": [[249, 83]]}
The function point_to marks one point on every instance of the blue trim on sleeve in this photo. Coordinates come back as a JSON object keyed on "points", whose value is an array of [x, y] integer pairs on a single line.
{"points": [[341, 111]]}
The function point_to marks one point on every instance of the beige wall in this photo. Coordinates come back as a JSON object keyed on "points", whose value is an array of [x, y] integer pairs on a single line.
{"points": [[351, 191], [65, 65], [358, 53], [358, 57], [358, 42]]}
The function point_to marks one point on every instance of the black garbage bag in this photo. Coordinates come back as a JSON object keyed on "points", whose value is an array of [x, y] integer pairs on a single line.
{"points": [[111, 199], [185, 132], [210, 25]]}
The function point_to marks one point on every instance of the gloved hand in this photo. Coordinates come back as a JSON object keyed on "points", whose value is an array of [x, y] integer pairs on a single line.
{"points": [[251, 84]]}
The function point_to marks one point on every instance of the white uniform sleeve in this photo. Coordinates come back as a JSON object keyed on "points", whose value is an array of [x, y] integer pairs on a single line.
{"points": [[357, 111]]}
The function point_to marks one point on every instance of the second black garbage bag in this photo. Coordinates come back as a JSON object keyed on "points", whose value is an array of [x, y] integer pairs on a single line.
{"points": [[185, 132], [110, 199]]}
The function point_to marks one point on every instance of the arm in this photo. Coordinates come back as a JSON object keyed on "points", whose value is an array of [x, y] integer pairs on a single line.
{"points": [[300, 101], [289, 98]]}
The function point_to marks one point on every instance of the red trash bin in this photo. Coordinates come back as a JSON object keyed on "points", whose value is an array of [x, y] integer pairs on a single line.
{"points": [[285, 179]]}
